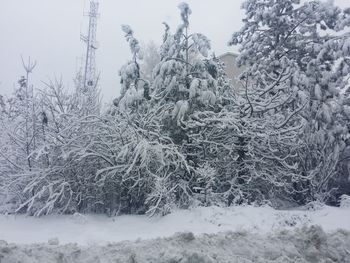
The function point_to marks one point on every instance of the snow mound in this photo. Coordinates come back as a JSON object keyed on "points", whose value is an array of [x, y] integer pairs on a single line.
{"points": [[307, 244], [53, 241], [290, 220]]}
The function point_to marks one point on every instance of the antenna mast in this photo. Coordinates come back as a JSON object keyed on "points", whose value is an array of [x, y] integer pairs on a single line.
{"points": [[89, 77]]}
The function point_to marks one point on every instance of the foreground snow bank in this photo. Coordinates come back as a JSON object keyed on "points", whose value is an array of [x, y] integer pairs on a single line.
{"points": [[308, 244], [93, 229]]}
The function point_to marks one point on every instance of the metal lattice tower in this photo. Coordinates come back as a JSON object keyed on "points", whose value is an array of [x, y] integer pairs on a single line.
{"points": [[89, 74]]}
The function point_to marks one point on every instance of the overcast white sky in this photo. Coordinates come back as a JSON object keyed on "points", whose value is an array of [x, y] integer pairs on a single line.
{"points": [[49, 31]]}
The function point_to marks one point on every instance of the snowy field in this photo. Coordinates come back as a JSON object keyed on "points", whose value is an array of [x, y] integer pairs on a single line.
{"points": [[94, 229], [207, 234]]}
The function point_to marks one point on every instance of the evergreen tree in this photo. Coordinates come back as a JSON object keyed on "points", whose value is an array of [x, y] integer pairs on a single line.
{"points": [[297, 73]]}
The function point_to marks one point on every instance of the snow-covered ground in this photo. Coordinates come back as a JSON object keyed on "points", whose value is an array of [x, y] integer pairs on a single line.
{"points": [[99, 229], [200, 235], [309, 244]]}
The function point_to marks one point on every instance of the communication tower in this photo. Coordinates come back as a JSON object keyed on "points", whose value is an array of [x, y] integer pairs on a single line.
{"points": [[89, 77]]}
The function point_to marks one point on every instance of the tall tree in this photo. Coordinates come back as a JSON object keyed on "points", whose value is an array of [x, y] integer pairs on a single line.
{"points": [[283, 42]]}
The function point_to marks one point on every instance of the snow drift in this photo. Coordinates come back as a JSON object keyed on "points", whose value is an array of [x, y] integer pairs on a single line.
{"points": [[308, 244]]}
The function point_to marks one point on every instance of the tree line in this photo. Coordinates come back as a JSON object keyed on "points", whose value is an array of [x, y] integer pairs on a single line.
{"points": [[180, 135]]}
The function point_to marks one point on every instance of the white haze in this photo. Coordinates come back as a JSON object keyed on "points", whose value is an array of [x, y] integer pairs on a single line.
{"points": [[49, 31]]}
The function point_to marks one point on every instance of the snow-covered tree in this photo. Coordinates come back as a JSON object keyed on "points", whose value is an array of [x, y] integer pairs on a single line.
{"points": [[21, 132], [134, 87], [184, 82], [297, 60], [179, 134], [40, 168]]}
